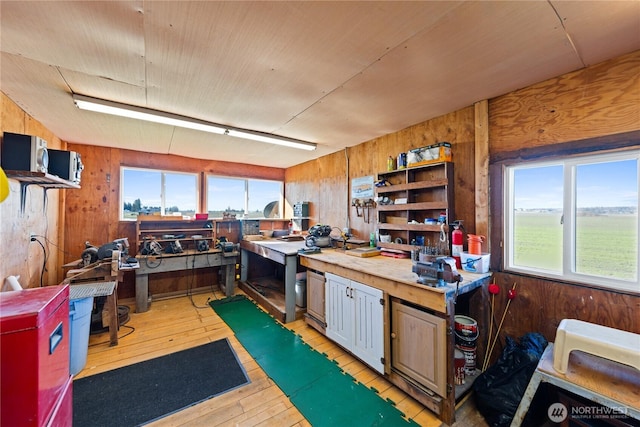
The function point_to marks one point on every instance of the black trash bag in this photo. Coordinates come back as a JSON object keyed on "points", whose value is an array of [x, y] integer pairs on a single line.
{"points": [[499, 389]]}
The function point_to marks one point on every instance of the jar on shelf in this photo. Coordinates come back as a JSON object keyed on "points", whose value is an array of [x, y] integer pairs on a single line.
{"points": [[391, 163]]}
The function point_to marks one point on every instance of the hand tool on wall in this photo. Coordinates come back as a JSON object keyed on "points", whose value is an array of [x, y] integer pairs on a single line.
{"points": [[368, 205]]}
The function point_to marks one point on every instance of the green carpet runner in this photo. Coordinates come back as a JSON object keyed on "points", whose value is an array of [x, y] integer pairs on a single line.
{"points": [[321, 391]]}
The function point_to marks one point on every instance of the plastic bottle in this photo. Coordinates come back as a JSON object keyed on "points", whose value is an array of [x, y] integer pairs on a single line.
{"points": [[475, 244], [402, 160], [290, 227]]}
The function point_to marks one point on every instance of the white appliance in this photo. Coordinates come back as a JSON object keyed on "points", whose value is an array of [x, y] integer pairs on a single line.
{"points": [[24, 153], [66, 165]]}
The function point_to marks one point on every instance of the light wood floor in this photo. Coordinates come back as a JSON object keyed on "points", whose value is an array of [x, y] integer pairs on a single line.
{"points": [[179, 323]]}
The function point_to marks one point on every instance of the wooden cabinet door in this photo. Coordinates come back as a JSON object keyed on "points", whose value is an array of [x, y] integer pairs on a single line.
{"points": [[315, 295], [368, 339], [419, 346], [339, 310]]}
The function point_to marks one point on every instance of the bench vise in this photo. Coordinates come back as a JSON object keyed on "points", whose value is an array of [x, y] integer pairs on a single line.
{"points": [[436, 273]]}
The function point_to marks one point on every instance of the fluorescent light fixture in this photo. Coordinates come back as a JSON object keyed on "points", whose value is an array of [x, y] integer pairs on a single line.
{"points": [[271, 139], [140, 113]]}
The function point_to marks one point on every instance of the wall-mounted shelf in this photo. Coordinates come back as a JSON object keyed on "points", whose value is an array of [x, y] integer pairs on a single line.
{"points": [[42, 179], [426, 193], [166, 229]]}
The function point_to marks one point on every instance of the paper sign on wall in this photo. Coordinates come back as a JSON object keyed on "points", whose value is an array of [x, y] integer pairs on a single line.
{"points": [[362, 188]]}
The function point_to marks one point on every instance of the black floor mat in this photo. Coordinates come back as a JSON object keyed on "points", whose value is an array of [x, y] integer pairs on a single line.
{"points": [[145, 391]]}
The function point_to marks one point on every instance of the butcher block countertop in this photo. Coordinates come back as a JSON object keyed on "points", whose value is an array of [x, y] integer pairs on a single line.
{"points": [[282, 246], [391, 275]]}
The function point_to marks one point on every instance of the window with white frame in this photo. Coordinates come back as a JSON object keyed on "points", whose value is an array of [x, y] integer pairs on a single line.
{"points": [[575, 219], [150, 191], [248, 198]]}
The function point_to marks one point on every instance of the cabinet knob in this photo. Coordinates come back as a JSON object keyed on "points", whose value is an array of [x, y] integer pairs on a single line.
{"points": [[393, 335]]}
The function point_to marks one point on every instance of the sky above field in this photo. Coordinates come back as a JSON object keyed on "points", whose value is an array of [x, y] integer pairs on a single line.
{"points": [[612, 184], [180, 191]]}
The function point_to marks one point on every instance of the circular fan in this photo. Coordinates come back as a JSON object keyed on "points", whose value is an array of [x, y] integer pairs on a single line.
{"points": [[272, 210]]}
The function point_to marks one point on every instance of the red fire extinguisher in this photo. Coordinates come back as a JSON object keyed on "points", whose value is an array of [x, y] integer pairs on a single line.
{"points": [[457, 240]]}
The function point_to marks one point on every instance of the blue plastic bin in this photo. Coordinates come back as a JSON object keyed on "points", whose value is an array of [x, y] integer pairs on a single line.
{"points": [[79, 325]]}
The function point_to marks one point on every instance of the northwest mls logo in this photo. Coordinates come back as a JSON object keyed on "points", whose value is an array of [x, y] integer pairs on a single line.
{"points": [[557, 412]]}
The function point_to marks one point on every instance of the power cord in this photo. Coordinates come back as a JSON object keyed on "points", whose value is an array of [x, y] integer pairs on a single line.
{"points": [[44, 262], [125, 335], [156, 265], [191, 281], [34, 238]]}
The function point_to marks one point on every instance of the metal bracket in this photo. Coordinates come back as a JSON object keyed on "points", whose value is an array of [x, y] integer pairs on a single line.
{"points": [[23, 196], [45, 200]]}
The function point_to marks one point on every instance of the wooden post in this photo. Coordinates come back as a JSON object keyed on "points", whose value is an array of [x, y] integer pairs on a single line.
{"points": [[482, 168]]}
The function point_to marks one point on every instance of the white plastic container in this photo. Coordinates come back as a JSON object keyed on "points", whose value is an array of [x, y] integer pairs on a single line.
{"points": [[79, 330], [475, 263]]}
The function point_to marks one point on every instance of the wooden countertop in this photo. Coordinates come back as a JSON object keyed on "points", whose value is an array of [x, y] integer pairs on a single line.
{"points": [[396, 269], [393, 275], [283, 246]]}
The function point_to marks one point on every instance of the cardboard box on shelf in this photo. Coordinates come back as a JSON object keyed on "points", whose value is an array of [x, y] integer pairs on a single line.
{"points": [[436, 153]]}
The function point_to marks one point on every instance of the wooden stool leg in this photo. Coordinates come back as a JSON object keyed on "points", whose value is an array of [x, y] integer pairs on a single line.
{"points": [[111, 307]]}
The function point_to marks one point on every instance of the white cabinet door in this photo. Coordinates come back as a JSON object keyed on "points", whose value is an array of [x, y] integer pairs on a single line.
{"points": [[339, 310], [354, 317], [368, 342]]}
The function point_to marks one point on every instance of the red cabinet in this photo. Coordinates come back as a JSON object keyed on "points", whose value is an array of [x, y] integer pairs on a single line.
{"points": [[35, 384]]}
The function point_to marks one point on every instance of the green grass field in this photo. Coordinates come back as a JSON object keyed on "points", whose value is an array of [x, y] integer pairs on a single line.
{"points": [[606, 245]]}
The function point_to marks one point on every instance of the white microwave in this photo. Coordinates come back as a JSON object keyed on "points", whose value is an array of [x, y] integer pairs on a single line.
{"points": [[66, 165], [24, 153]]}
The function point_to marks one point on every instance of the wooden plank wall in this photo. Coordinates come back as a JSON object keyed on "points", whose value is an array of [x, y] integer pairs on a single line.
{"points": [[324, 182], [595, 107], [600, 100], [592, 103], [93, 211], [42, 215]]}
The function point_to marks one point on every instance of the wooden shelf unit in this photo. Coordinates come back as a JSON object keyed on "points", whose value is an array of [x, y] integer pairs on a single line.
{"points": [[159, 228], [428, 191]]}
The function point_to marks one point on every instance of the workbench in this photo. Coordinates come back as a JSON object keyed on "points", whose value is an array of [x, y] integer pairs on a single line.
{"points": [[100, 279], [187, 260], [282, 252], [394, 276], [422, 333], [604, 382]]}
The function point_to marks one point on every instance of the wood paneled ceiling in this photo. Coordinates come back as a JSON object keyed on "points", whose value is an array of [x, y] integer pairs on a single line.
{"points": [[333, 73]]}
